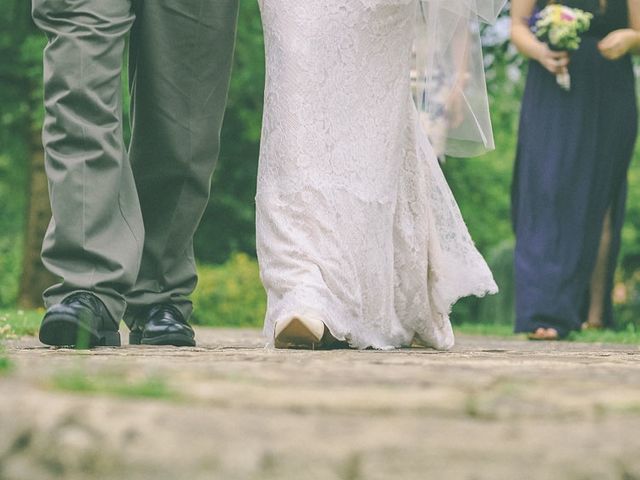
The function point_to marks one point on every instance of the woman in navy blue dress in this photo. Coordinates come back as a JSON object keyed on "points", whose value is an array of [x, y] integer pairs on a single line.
{"points": [[574, 150]]}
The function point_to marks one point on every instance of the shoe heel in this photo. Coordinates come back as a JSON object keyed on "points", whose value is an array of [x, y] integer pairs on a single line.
{"points": [[110, 339], [135, 338], [298, 332]]}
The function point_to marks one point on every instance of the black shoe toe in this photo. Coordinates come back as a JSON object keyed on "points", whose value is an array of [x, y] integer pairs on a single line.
{"points": [[80, 321], [164, 325]]}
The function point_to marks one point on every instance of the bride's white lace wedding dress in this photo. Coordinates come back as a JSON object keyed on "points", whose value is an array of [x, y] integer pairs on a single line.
{"points": [[356, 224]]}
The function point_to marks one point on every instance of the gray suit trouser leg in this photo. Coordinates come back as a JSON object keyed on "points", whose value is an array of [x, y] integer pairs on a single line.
{"points": [[123, 225]]}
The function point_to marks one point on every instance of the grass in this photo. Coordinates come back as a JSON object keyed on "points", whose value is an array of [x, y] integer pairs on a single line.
{"points": [[491, 330], [5, 365], [113, 384], [17, 323], [628, 336]]}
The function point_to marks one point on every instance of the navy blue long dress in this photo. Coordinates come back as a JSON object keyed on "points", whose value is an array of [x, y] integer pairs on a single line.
{"points": [[574, 150]]}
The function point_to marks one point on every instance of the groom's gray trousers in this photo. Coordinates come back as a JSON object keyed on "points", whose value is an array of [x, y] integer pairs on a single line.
{"points": [[123, 224]]}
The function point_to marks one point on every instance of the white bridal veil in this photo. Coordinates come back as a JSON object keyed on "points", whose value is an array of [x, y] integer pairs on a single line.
{"points": [[450, 88]]}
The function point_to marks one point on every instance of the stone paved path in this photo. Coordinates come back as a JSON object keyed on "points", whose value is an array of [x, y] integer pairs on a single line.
{"points": [[229, 409]]}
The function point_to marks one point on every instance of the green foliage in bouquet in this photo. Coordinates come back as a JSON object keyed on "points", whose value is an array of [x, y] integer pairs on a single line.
{"points": [[561, 26]]}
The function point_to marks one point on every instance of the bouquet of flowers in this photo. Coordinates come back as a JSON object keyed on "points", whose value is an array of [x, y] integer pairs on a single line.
{"points": [[561, 28]]}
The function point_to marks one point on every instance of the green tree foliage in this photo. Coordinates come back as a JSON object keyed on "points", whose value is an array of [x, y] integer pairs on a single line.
{"points": [[230, 294], [228, 225], [481, 185], [20, 116]]}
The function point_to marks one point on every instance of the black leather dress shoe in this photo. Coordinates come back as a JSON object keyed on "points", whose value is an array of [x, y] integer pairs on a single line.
{"points": [[82, 321], [163, 325]]}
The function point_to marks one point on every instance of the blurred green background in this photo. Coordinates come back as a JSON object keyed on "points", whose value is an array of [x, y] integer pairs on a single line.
{"points": [[229, 292]]}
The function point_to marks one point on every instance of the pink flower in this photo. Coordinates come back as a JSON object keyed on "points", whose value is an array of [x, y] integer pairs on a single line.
{"points": [[568, 15]]}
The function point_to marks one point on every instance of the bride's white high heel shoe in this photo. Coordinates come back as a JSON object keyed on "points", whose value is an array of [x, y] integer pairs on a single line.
{"points": [[299, 332]]}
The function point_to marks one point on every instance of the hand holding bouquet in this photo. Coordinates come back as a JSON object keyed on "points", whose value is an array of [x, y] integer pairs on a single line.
{"points": [[561, 28]]}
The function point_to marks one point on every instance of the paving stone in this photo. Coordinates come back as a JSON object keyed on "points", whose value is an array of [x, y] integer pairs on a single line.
{"points": [[231, 409]]}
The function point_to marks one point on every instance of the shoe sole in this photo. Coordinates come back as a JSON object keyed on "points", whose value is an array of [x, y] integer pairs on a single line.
{"points": [[297, 335], [169, 340], [534, 338], [66, 331]]}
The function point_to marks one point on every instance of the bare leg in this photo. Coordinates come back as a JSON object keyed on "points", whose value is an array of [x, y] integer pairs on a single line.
{"points": [[599, 277]]}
